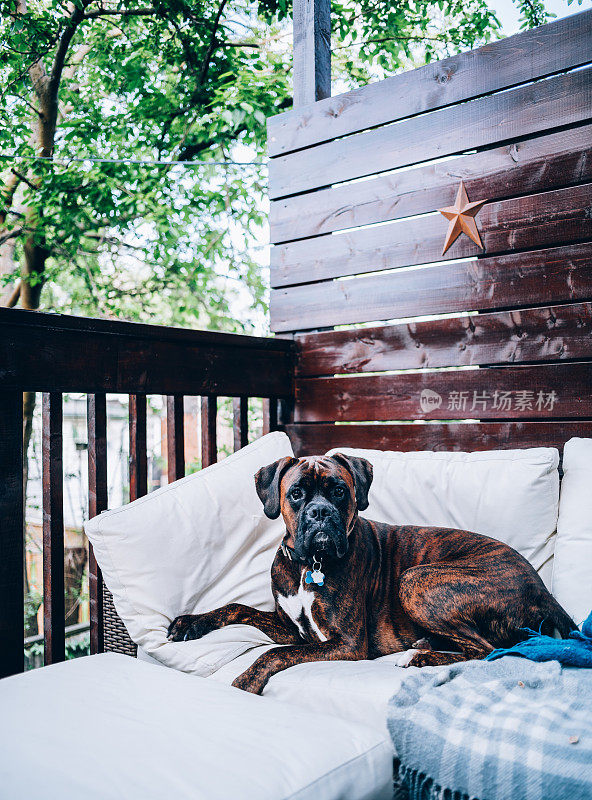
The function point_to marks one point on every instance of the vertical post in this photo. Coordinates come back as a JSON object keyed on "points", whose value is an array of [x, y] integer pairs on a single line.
{"points": [[138, 460], [97, 502], [209, 444], [312, 51], [54, 623], [12, 550], [240, 422], [270, 415], [175, 438]]}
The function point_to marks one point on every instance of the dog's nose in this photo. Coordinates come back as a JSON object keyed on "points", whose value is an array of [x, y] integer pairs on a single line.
{"points": [[318, 511]]}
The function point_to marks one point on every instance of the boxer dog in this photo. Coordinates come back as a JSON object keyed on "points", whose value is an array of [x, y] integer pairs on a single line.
{"points": [[348, 588]]}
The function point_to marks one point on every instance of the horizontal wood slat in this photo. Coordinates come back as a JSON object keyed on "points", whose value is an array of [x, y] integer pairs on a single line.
{"points": [[12, 549], [562, 274], [317, 439], [559, 101], [560, 391], [546, 162], [507, 337], [50, 352], [54, 619], [524, 57], [541, 220]]}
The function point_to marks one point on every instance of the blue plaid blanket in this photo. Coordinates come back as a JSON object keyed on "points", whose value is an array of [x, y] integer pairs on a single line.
{"points": [[510, 729]]}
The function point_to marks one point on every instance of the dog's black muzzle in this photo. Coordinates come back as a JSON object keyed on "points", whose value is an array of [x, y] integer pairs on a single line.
{"points": [[321, 532]]}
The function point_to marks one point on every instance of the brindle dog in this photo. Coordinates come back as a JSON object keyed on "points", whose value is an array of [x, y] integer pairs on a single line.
{"points": [[448, 595]]}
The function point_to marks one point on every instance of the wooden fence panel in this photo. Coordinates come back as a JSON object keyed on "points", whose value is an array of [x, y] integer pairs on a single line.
{"points": [[310, 440], [542, 220], [534, 108], [551, 48], [517, 279], [209, 440], [547, 391], [524, 167], [550, 333]]}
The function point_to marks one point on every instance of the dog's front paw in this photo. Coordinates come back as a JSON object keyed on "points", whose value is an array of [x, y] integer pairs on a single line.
{"points": [[188, 626], [250, 682]]}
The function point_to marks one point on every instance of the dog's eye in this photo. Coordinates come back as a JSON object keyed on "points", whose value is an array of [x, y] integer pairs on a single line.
{"points": [[296, 494], [339, 491]]}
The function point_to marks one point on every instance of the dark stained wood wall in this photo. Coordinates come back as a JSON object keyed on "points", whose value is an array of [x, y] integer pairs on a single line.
{"points": [[474, 349]]}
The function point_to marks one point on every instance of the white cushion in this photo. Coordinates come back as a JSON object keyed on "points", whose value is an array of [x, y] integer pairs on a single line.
{"points": [[572, 572], [154, 733], [357, 691], [510, 495], [191, 547]]}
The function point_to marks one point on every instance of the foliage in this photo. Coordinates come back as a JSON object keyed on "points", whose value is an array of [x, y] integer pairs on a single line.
{"points": [[176, 81]]}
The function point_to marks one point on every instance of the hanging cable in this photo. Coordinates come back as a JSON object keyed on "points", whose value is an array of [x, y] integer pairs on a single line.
{"points": [[139, 162]]}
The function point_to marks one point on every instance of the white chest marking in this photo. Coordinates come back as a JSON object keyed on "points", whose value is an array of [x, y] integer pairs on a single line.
{"points": [[296, 605], [403, 658]]}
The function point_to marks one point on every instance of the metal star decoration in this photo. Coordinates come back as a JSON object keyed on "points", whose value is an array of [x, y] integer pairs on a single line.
{"points": [[462, 218]]}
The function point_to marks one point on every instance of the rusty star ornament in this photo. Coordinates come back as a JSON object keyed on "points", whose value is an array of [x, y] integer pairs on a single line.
{"points": [[462, 218]]}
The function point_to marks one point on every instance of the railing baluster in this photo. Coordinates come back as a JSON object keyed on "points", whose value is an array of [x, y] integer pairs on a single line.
{"points": [[240, 422], [97, 502], [12, 555], [209, 444], [270, 415], [54, 623], [138, 461], [175, 438]]}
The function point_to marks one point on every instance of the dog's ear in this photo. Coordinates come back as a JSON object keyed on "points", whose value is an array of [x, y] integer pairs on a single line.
{"points": [[267, 483], [362, 472]]}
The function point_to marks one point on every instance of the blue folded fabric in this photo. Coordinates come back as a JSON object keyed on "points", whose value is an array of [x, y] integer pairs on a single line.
{"points": [[575, 651]]}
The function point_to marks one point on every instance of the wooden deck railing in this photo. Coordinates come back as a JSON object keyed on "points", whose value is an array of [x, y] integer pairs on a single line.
{"points": [[54, 354]]}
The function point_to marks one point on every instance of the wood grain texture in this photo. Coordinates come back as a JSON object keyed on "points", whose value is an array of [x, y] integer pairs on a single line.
{"points": [[547, 391], [551, 218], [524, 167], [175, 438], [11, 534], [312, 51], [551, 333], [560, 274], [559, 101], [51, 352], [138, 458], [310, 440], [533, 54], [54, 623], [209, 438], [97, 502], [240, 422]]}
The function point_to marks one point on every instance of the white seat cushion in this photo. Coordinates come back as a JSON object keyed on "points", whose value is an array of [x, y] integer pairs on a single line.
{"points": [[572, 572], [190, 547], [111, 727], [510, 495], [357, 691]]}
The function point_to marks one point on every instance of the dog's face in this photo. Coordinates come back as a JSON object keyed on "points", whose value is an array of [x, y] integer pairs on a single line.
{"points": [[319, 499]]}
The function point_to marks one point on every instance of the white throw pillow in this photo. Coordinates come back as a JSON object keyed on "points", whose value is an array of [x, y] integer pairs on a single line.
{"points": [[191, 547], [572, 572], [510, 495]]}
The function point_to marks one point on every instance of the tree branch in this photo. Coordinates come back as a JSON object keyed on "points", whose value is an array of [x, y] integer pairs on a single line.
{"points": [[131, 12], [212, 47], [13, 234], [13, 297]]}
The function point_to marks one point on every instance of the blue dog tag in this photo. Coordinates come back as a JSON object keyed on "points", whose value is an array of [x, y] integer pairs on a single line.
{"points": [[316, 577]]}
